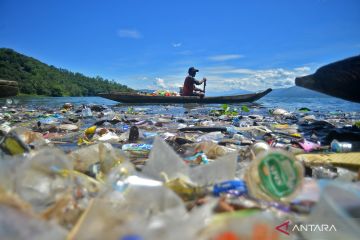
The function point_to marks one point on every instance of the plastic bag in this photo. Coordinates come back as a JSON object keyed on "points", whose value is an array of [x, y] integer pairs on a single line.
{"points": [[40, 181], [163, 159], [102, 153]]}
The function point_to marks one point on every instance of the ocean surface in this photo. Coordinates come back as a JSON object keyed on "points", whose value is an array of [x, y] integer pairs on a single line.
{"points": [[317, 105]]}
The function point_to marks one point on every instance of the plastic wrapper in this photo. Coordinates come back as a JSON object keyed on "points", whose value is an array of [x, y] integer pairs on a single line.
{"points": [[233, 187], [137, 150], [196, 159], [309, 146]]}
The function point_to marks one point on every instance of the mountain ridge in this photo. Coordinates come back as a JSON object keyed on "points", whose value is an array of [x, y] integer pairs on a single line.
{"points": [[37, 78], [296, 91]]}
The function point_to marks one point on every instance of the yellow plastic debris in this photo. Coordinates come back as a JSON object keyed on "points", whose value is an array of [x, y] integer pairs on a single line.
{"points": [[298, 135], [351, 159], [280, 126], [90, 130], [13, 146]]}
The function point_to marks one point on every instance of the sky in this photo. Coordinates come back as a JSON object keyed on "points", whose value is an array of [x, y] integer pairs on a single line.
{"points": [[236, 44]]}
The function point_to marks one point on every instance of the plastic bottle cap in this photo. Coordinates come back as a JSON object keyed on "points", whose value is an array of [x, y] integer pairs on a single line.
{"points": [[131, 237]]}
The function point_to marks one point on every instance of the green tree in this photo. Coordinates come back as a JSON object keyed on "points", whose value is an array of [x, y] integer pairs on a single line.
{"points": [[35, 77]]}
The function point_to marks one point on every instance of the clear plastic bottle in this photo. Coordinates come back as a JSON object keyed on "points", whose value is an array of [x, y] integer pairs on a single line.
{"points": [[86, 112], [337, 146]]}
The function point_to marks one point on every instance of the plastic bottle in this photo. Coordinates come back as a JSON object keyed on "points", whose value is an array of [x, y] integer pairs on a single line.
{"points": [[212, 136], [211, 149], [337, 146], [86, 112], [260, 147], [274, 175]]}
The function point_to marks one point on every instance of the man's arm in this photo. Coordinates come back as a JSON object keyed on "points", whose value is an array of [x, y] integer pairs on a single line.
{"points": [[198, 89], [199, 82]]}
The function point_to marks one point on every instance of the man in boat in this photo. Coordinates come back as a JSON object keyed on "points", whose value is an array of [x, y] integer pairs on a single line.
{"points": [[189, 88]]}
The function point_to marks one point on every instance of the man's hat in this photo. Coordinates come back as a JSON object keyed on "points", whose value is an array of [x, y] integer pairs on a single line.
{"points": [[192, 69]]}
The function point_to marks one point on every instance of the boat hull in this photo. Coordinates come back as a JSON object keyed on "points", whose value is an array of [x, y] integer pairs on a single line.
{"points": [[339, 79], [137, 98]]}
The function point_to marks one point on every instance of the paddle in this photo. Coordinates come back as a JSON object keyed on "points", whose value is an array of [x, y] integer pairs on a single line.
{"points": [[204, 86]]}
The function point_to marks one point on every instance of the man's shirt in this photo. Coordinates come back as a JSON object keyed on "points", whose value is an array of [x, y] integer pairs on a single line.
{"points": [[189, 86]]}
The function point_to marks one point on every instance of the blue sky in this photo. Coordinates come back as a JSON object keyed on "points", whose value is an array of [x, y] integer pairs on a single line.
{"points": [[150, 44]]}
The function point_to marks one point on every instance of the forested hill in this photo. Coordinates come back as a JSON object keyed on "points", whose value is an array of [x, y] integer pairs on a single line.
{"points": [[35, 77]]}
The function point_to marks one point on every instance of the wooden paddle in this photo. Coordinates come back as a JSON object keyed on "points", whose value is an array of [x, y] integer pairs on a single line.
{"points": [[204, 86]]}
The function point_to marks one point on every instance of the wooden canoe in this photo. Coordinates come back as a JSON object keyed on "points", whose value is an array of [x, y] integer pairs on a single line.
{"points": [[139, 98], [8, 88]]}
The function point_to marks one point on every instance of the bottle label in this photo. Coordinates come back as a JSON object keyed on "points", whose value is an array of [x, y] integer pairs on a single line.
{"points": [[278, 175]]}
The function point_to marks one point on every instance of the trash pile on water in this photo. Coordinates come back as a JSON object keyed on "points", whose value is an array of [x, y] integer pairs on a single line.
{"points": [[94, 172], [162, 93]]}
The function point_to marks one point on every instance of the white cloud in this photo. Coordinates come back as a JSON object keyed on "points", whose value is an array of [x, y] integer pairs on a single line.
{"points": [[129, 33], [225, 57], [176, 45], [172, 83], [160, 83], [304, 69], [228, 78]]}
